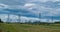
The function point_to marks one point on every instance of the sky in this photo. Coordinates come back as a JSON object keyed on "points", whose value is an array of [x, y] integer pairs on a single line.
{"points": [[31, 8]]}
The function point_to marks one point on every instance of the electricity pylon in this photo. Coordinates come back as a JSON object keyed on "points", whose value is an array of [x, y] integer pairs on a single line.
{"points": [[40, 16], [8, 18], [19, 18], [52, 18]]}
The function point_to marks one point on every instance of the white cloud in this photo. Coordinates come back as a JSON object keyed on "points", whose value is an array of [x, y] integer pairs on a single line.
{"points": [[3, 17], [35, 8], [3, 6], [14, 18], [46, 11], [32, 8], [29, 5], [41, 0]]}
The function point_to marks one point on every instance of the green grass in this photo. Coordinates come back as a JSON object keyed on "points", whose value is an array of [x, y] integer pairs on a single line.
{"points": [[28, 28]]}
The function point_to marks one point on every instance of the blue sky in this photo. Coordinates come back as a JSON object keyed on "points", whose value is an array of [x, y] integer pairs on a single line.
{"points": [[31, 8]]}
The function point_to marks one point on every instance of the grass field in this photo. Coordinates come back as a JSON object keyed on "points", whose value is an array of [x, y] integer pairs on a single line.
{"points": [[28, 28]]}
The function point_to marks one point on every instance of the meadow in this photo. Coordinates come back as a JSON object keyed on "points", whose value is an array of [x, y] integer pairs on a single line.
{"points": [[4, 27]]}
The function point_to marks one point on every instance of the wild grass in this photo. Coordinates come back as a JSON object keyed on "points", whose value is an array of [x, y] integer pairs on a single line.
{"points": [[29, 28]]}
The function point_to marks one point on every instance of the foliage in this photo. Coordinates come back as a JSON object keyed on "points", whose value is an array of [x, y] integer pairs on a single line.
{"points": [[1, 21]]}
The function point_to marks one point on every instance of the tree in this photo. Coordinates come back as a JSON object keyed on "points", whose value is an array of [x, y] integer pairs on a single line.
{"points": [[37, 22], [1, 21]]}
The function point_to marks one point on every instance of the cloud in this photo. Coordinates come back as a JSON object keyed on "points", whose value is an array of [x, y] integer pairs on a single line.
{"points": [[49, 0], [3, 6], [34, 8], [45, 7], [40, 1], [29, 5], [3, 17], [14, 18]]}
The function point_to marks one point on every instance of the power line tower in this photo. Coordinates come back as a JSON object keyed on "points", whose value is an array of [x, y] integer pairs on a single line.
{"points": [[18, 17], [40, 16], [8, 18], [52, 18]]}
